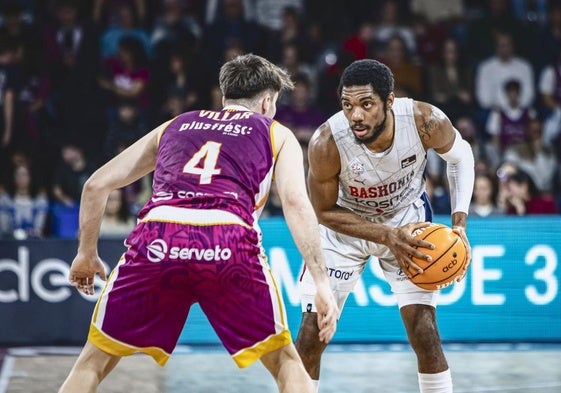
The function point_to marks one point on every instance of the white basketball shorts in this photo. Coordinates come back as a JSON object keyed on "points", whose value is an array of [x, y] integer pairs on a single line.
{"points": [[346, 257]]}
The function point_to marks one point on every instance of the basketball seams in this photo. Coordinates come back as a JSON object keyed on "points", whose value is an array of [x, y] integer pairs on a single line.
{"points": [[436, 228], [440, 257], [447, 278]]}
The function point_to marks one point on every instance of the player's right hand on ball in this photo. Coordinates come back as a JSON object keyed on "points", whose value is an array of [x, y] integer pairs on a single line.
{"points": [[404, 246]]}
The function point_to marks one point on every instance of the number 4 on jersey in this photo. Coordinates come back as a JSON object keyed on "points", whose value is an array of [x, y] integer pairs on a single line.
{"points": [[209, 152]]}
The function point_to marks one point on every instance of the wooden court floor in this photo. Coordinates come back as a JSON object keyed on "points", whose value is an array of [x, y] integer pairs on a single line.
{"points": [[505, 368]]}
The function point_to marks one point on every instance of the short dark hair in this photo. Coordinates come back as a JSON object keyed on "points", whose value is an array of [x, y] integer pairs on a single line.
{"points": [[246, 76], [512, 84], [521, 177], [368, 72]]}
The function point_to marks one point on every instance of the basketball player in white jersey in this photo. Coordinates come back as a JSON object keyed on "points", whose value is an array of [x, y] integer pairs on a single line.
{"points": [[367, 187]]}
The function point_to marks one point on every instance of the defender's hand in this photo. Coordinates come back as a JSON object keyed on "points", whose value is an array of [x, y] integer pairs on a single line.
{"points": [[83, 271], [327, 312]]}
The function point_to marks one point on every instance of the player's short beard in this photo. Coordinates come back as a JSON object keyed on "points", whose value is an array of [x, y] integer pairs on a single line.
{"points": [[377, 130]]}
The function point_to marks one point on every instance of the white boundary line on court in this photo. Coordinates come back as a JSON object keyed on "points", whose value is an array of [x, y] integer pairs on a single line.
{"points": [[510, 388], [6, 372]]}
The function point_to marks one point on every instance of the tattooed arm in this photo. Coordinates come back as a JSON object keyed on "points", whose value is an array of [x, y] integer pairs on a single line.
{"points": [[435, 129]]}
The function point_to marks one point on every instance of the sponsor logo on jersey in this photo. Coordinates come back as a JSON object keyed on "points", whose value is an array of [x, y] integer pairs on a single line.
{"points": [[226, 128], [157, 251], [382, 190], [356, 167], [408, 161], [339, 274]]}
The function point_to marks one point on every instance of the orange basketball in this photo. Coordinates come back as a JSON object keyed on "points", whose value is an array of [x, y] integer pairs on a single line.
{"points": [[448, 257]]}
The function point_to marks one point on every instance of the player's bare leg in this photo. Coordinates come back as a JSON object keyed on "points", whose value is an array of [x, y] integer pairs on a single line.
{"points": [[91, 367], [285, 366], [420, 323], [422, 331], [308, 345]]}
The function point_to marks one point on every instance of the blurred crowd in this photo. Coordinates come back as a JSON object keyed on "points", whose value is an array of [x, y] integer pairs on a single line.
{"points": [[80, 80]]}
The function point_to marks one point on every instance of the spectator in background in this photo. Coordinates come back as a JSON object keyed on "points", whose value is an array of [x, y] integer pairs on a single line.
{"points": [[503, 172], [175, 104], [215, 98], [531, 12], [496, 19], [117, 220], [127, 127], [229, 25], [126, 26], [174, 27], [127, 77], [429, 40], [408, 75], [535, 159], [438, 195], [33, 85], [271, 14], [66, 39], [359, 44], [70, 175], [181, 79], [106, 12], [16, 28], [391, 24], [8, 90], [292, 30], [549, 88], [483, 150], [23, 209], [300, 114], [207, 73], [504, 65], [438, 11], [508, 125], [70, 54], [293, 62], [451, 82], [548, 42], [523, 197], [484, 196]]}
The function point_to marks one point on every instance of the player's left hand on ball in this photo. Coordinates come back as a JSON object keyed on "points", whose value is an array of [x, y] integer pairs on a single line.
{"points": [[461, 231]]}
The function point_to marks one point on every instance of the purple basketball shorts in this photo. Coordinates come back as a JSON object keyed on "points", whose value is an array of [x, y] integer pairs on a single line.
{"points": [[171, 265]]}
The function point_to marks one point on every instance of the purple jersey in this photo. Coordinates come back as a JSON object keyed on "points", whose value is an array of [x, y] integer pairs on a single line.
{"points": [[215, 160], [513, 131]]}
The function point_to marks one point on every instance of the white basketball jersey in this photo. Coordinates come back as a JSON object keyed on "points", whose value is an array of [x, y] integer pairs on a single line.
{"points": [[377, 185]]}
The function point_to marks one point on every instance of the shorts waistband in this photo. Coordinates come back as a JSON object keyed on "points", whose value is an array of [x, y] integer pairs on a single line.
{"points": [[182, 215]]}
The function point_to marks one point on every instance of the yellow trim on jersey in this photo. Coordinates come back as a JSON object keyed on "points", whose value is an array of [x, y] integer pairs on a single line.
{"points": [[261, 203], [247, 356], [164, 127], [272, 136], [195, 217], [279, 297], [109, 280], [117, 348]]}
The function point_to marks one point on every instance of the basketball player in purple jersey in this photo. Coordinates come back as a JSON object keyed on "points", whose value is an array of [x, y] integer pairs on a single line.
{"points": [[197, 239], [366, 181]]}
